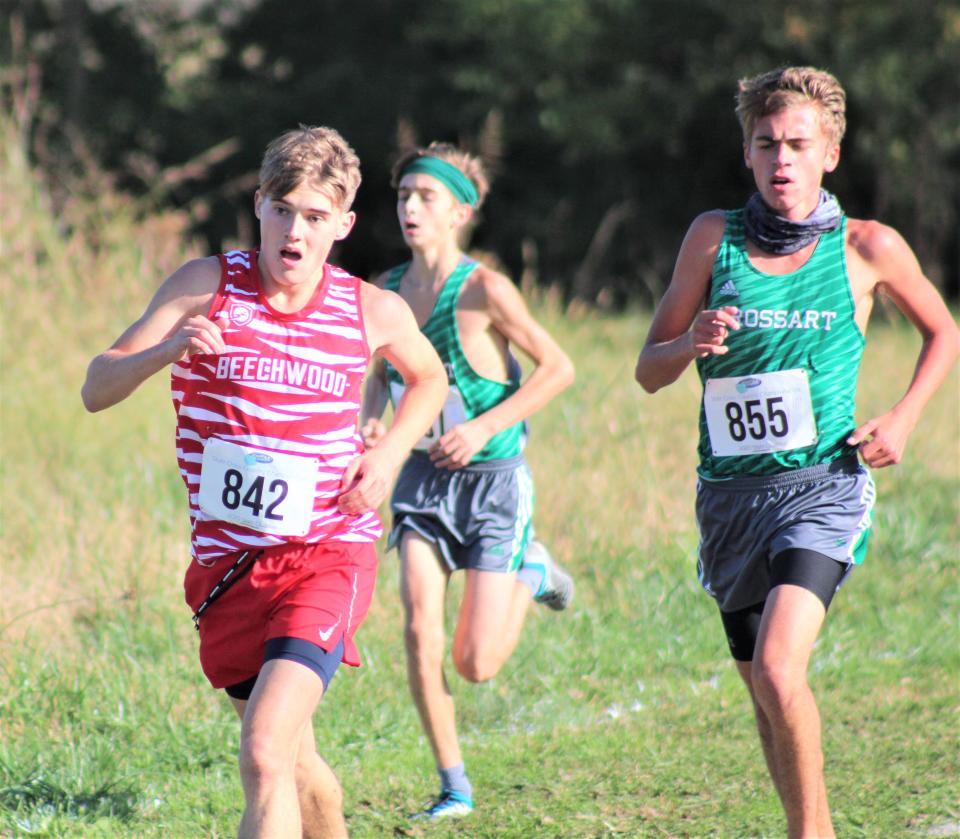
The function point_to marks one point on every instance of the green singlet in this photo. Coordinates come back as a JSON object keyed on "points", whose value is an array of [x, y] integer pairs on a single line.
{"points": [[470, 393], [782, 398]]}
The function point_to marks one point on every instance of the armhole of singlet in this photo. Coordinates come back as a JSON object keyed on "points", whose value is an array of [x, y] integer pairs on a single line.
{"points": [[716, 258], [846, 277], [221, 293], [395, 277], [361, 321], [454, 304]]}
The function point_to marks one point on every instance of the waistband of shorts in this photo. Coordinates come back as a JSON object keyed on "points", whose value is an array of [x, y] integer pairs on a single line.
{"points": [[298, 550], [503, 464], [848, 465]]}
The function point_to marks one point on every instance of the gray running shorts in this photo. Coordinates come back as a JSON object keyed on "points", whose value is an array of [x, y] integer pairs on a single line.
{"points": [[745, 522], [478, 517]]}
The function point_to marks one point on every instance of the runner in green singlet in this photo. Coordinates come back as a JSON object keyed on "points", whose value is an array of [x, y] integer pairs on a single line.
{"points": [[771, 302], [464, 499]]}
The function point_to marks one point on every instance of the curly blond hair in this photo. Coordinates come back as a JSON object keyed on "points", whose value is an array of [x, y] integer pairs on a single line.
{"points": [[313, 154], [771, 92]]}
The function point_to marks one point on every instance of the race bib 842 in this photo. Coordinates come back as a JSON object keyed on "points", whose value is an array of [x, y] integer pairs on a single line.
{"points": [[266, 491]]}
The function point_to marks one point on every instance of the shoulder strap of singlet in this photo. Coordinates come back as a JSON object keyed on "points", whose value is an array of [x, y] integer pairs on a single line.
{"points": [[450, 293], [236, 270], [392, 283], [730, 243]]}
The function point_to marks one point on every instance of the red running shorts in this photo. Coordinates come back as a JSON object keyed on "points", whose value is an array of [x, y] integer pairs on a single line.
{"points": [[319, 592]]}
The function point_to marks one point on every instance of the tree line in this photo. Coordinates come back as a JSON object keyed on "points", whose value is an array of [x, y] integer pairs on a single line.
{"points": [[608, 123]]}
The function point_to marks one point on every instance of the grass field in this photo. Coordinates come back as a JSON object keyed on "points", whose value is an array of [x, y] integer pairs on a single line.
{"points": [[622, 717]]}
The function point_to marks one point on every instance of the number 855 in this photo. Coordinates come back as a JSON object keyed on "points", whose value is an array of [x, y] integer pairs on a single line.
{"points": [[751, 418]]}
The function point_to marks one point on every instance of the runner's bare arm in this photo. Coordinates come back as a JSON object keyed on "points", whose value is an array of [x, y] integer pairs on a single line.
{"points": [[553, 371], [375, 398], [393, 333], [880, 250], [375, 395], [671, 342], [172, 327]]}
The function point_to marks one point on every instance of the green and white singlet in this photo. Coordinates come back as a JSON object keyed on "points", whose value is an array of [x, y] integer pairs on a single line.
{"points": [[470, 393], [782, 398]]}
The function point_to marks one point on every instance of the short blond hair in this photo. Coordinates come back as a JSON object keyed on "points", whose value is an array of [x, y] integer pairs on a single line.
{"points": [[787, 87], [471, 165], [313, 154]]}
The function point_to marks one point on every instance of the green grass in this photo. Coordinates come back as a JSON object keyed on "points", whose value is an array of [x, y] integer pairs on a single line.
{"points": [[623, 717]]}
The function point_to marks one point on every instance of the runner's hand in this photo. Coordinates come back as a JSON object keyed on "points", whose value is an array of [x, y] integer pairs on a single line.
{"points": [[710, 330], [372, 432], [200, 335], [456, 448], [365, 483], [882, 440]]}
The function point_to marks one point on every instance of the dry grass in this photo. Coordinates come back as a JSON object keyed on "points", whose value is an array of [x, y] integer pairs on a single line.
{"points": [[621, 715], [82, 517]]}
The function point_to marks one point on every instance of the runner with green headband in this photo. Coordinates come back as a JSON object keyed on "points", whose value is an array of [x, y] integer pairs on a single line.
{"points": [[460, 186], [464, 499]]}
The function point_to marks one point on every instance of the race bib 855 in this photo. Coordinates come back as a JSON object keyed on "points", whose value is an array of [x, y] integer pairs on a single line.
{"points": [[766, 412]]}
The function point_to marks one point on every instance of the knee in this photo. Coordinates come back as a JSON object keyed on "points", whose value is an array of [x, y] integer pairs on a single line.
{"points": [[262, 763], [775, 687], [317, 785], [474, 671], [424, 643], [475, 663]]}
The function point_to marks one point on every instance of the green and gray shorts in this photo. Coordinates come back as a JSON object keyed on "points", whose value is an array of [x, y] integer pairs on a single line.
{"points": [[746, 522], [478, 517]]}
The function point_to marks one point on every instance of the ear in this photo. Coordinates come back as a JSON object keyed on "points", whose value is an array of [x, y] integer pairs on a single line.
{"points": [[462, 214], [257, 201], [832, 158], [746, 156], [347, 220]]}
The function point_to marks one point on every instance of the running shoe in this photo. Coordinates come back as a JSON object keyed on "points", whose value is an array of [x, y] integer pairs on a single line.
{"points": [[556, 590], [449, 804]]}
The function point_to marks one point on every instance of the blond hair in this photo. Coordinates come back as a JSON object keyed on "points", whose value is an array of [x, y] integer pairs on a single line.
{"points": [[471, 165], [313, 154], [787, 87]]}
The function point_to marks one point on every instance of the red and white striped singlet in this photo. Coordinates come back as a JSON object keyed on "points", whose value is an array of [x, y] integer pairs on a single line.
{"points": [[287, 389]]}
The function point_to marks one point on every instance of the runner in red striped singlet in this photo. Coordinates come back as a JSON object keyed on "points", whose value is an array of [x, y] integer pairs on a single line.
{"points": [[269, 348], [263, 393]]}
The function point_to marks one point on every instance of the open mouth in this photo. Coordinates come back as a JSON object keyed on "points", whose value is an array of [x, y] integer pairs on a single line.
{"points": [[290, 255]]}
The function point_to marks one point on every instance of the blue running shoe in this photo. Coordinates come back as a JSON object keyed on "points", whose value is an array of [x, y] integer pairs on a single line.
{"points": [[450, 804], [556, 590]]}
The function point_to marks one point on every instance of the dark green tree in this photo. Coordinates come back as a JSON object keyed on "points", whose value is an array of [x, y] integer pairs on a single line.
{"points": [[609, 123]]}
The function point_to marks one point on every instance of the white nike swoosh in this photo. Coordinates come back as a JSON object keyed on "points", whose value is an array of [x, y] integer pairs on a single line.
{"points": [[325, 636]]}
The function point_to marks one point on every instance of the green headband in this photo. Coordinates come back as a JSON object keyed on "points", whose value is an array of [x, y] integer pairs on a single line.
{"points": [[449, 175]]}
